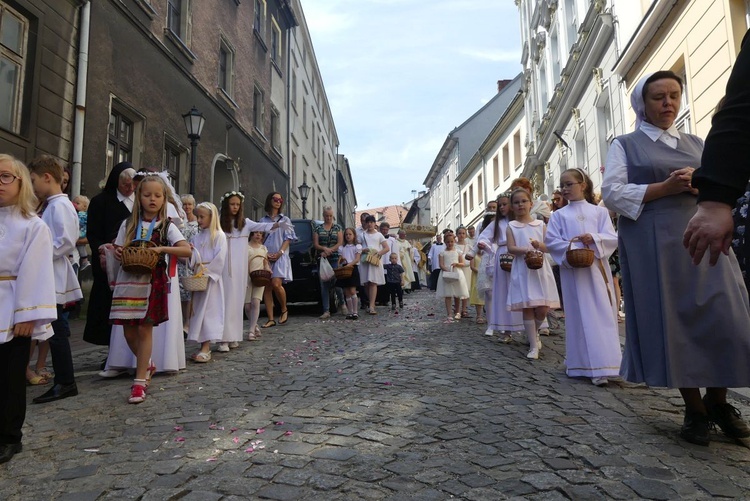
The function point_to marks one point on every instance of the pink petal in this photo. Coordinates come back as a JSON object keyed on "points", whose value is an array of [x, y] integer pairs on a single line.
{"points": [[210, 459], [250, 449], [279, 423], [233, 430], [236, 440], [260, 430], [178, 428], [179, 439], [287, 433]]}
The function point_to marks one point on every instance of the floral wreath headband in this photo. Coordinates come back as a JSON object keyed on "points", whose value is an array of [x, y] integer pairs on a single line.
{"points": [[206, 205], [230, 194]]}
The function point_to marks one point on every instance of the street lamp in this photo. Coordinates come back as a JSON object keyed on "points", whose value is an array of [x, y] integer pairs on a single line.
{"points": [[304, 190], [194, 122]]}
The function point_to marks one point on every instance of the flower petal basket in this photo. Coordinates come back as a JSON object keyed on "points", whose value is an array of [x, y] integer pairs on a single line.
{"points": [[262, 277], [197, 282], [139, 258], [506, 261], [343, 273], [579, 258], [534, 259]]}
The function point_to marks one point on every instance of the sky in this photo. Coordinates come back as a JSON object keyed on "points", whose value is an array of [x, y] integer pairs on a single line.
{"points": [[400, 75]]}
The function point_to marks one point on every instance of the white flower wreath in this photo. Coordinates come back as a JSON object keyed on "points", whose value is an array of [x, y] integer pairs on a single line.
{"points": [[230, 194]]}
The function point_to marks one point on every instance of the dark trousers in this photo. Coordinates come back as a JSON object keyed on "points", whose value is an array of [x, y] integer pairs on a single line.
{"points": [[14, 358], [59, 348], [394, 289], [434, 279], [415, 285]]}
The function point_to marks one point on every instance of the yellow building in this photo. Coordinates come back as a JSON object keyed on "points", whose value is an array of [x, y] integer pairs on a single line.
{"points": [[697, 39]]}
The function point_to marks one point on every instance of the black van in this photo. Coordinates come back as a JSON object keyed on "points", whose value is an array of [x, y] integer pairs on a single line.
{"points": [[305, 288]]}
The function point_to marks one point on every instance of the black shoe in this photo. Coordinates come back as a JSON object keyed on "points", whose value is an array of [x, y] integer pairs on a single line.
{"points": [[727, 417], [401, 305], [695, 429], [57, 392], [7, 451]]}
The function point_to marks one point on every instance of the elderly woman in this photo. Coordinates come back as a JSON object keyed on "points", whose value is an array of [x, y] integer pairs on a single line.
{"points": [[327, 239], [687, 325]]}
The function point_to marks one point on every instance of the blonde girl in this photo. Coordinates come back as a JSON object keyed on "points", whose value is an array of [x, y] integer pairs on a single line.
{"points": [[349, 256], [207, 320], [464, 246], [26, 309], [452, 289], [148, 222], [531, 291], [256, 260]]}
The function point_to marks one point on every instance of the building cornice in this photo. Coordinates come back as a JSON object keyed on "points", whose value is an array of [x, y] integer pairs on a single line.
{"points": [[443, 155]]}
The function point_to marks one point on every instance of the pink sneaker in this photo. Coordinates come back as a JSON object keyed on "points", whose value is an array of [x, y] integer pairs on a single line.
{"points": [[137, 394]]}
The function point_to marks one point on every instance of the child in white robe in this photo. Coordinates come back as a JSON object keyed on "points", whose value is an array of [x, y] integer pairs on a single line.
{"points": [[27, 299], [207, 321], [62, 219], [453, 290], [257, 260], [532, 291], [236, 228], [592, 342]]}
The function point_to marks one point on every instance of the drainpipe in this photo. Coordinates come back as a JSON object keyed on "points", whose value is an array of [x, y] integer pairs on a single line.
{"points": [[289, 117], [80, 113]]}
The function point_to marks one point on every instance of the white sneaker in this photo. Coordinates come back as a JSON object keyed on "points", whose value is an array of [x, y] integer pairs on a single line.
{"points": [[533, 354], [111, 373], [234, 344], [599, 381], [544, 332], [223, 347], [489, 332], [325, 315]]}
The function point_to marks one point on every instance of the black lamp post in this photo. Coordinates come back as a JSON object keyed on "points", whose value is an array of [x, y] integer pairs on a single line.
{"points": [[304, 191], [194, 122]]}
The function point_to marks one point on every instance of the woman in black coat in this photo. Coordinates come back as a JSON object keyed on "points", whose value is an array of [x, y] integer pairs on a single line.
{"points": [[105, 215]]}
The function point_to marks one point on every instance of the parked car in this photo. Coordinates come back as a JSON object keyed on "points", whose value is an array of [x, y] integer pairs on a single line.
{"points": [[305, 288]]}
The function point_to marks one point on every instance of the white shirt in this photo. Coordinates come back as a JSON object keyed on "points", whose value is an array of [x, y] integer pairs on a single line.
{"points": [[128, 201], [619, 195]]}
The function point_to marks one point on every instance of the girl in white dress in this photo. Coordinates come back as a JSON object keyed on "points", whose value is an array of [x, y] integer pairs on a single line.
{"points": [[236, 228], [592, 342], [464, 246], [257, 257], [370, 275], [278, 243], [531, 291], [453, 290], [349, 256], [26, 309], [207, 320], [494, 239]]}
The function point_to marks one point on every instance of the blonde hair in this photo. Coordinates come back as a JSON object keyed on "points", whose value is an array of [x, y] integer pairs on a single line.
{"points": [[214, 226], [136, 216], [26, 201], [82, 199]]}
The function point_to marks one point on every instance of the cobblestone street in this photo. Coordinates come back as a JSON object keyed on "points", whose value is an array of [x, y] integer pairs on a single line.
{"points": [[395, 406]]}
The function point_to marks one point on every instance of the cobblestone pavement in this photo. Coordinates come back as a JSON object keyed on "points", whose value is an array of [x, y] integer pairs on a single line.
{"points": [[394, 406]]}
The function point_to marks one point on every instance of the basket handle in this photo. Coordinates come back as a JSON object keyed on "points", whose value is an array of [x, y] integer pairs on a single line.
{"points": [[576, 239], [266, 264]]}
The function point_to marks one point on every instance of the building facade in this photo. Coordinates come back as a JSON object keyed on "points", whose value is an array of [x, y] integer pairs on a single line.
{"points": [[459, 147], [697, 40], [39, 52], [497, 162], [573, 103], [346, 205]]}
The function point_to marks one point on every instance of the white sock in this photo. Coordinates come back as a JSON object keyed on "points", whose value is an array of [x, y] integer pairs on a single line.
{"points": [[139, 382], [530, 327]]}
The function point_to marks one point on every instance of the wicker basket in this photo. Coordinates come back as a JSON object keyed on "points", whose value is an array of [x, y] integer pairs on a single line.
{"points": [[262, 277], [534, 259], [343, 273], [506, 261], [197, 282], [139, 258], [579, 258]]}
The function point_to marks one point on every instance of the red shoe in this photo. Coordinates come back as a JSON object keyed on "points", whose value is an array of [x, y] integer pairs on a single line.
{"points": [[137, 394]]}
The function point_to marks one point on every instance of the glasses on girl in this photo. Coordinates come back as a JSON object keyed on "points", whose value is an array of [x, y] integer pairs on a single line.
{"points": [[277, 199], [7, 178]]}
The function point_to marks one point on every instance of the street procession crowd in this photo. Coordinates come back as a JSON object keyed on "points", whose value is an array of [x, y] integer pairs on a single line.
{"points": [[686, 316]]}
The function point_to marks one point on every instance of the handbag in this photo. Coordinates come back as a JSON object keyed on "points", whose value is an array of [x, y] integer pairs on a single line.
{"points": [[450, 276], [326, 270]]}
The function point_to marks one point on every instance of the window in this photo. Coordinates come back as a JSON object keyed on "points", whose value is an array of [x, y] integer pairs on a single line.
{"points": [[13, 41], [259, 19], [226, 67], [293, 168], [304, 116], [480, 190], [275, 129], [496, 171], [682, 122], [571, 22], [517, 149], [554, 47], [471, 197], [580, 150], [275, 42], [506, 162], [258, 109], [294, 89], [120, 141], [543, 90], [466, 203], [178, 18], [175, 163], [606, 132]]}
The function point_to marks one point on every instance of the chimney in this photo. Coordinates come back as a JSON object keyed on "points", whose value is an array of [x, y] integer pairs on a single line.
{"points": [[501, 84]]}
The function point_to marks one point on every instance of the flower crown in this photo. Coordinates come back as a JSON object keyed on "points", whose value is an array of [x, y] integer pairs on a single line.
{"points": [[230, 194]]}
